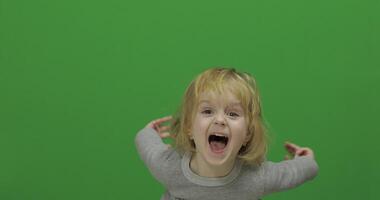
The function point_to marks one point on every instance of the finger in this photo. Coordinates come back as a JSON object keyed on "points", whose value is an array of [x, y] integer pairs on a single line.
{"points": [[303, 152], [161, 120], [155, 124], [290, 147], [287, 143], [164, 128], [166, 135]]}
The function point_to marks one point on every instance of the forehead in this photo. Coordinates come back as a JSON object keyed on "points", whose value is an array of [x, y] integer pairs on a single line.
{"points": [[226, 98]]}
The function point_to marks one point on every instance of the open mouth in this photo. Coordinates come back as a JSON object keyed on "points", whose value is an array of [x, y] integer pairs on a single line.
{"points": [[217, 142]]}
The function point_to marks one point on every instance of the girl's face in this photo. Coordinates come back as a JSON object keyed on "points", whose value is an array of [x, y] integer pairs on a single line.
{"points": [[219, 129]]}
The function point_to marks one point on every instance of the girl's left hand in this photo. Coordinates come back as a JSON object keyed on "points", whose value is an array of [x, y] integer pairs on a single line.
{"points": [[296, 150]]}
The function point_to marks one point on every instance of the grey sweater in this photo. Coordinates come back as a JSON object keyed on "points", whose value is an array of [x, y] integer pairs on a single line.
{"points": [[172, 170]]}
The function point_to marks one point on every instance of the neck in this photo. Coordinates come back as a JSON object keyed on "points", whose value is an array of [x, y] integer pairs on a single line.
{"points": [[202, 168]]}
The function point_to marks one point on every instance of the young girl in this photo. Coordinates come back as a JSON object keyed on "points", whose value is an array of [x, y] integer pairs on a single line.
{"points": [[220, 144]]}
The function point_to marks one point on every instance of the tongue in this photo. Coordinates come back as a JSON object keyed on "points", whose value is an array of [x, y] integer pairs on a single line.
{"points": [[217, 146]]}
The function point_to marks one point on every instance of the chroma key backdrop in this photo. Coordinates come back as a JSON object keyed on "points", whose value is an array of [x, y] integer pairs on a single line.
{"points": [[79, 79]]}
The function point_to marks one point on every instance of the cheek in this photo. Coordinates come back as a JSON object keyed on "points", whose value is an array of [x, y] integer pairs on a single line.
{"points": [[199, 131], [241, 131], [201, 122], [199, 127]]}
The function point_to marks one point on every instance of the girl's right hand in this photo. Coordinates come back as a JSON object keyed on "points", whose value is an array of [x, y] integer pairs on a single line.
{"points": [[297, 151], [159, 128]]}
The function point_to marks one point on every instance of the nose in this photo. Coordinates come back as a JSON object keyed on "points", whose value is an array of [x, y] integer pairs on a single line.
{"points": [[219, 120]]}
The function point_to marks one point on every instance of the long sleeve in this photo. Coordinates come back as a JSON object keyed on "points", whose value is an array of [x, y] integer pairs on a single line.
{"points": [[288, 174], [154, 152]]}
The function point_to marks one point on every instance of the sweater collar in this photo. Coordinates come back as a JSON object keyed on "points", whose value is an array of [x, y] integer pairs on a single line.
{"points": [[208, 181]]}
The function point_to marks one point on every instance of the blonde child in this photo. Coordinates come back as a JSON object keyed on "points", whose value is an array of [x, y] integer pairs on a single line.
{"points": [[220, 144]]}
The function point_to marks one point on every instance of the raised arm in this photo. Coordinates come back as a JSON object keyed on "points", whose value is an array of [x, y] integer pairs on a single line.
{"points": [[291, 172], [151, 148]]}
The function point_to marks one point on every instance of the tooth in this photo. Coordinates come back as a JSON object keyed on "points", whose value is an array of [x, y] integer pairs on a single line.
{"points": [[221, 135]]}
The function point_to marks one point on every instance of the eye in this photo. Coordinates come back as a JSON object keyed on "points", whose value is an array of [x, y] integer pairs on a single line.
{"points": [[207, 111], [233, 114]]}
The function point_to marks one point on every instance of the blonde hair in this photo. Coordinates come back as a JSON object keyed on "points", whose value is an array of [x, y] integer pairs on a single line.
{"points": [[221, 80]]}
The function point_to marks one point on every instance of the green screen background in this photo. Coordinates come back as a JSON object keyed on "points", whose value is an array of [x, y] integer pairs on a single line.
{"points": [[79, 78]]}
